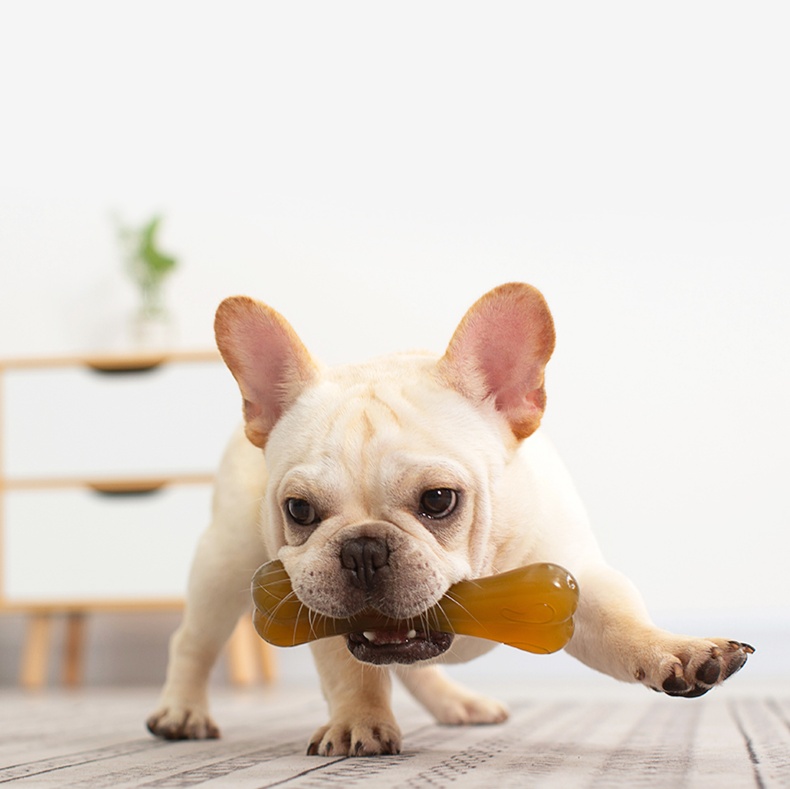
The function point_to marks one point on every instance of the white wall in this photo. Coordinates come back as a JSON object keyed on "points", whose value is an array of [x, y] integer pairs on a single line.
{"points": [[370, 169]]}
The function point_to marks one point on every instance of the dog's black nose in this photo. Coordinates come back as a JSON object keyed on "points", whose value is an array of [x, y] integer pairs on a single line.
{"points": [[364, 557]]}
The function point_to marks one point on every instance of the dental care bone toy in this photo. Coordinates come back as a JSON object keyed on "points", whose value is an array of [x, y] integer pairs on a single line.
{"points": [[530, 608]]}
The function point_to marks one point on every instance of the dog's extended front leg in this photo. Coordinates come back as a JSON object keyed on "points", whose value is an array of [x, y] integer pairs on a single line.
{"points": [[361, 722], [614, 634], [219, 591]]}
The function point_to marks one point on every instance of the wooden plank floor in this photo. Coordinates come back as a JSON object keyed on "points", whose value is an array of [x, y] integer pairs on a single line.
{"points": [[561, 734]]}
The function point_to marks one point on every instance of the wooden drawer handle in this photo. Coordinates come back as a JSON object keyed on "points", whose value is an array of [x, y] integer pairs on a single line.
{"points": [[127, 487], [121, 366]]}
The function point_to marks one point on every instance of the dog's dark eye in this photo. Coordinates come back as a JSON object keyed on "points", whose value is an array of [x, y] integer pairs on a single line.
{"points": [[438, 502], [301, 512]]}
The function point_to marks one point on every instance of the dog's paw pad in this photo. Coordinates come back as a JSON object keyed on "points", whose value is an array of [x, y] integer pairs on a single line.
{"points": [[182, 724], [675, 684], [359, 738], [696, 666], [710, 671]]}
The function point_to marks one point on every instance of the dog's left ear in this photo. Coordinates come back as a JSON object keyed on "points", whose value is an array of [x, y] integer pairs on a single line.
{"points": [[267, 359], [499, 352]]}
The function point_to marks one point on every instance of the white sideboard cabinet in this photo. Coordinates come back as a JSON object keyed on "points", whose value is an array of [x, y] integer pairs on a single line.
{"points": [[106, 465]]}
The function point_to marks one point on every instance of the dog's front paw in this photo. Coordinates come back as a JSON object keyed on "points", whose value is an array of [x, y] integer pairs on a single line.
{"points": [[182, 723], [691, 667], [361, 737]]}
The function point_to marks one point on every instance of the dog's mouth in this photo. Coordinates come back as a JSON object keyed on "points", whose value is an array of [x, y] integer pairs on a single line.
{"points": [[397, 646]]}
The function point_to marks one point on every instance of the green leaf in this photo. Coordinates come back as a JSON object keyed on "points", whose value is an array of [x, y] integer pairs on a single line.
{"points": [[157, 262]]}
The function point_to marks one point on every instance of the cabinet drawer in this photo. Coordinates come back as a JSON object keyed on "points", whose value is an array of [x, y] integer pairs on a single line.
{"points": [[76, 546], [75, 422]]}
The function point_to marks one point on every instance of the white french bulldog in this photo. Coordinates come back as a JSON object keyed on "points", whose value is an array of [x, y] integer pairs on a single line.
{"points": [[381, 485]]}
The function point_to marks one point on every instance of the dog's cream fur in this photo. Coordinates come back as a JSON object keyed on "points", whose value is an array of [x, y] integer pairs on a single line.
{"points": [[357, 447]]}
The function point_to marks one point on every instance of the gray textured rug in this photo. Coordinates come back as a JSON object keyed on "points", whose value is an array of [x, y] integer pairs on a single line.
{"points": [[562, 736]]}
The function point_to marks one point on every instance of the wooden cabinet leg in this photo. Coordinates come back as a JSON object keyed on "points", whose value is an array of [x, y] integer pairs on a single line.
{"points": [[74, 649], [241, 665], [268, 660], [248, 655], [35, 655]]}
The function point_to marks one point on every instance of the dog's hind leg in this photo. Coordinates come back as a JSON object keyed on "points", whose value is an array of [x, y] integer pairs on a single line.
{"points": [[448, 701]]}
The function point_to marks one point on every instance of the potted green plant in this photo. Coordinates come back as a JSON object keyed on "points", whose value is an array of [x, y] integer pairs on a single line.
{"points": [[149, 267]]}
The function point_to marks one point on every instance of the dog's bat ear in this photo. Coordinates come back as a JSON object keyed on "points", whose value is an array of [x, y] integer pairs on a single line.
{"points": [[267, 359], [499, 353]]}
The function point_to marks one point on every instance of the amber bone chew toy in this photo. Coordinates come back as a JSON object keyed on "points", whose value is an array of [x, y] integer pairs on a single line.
{"points": [[530, 608]]}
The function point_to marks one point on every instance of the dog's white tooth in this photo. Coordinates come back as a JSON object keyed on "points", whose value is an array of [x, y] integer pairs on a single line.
{"points": [[411, 634], [370, 635]]}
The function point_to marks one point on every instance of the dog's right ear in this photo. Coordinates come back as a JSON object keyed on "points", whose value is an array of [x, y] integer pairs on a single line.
{"points": [[267, 359]]}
